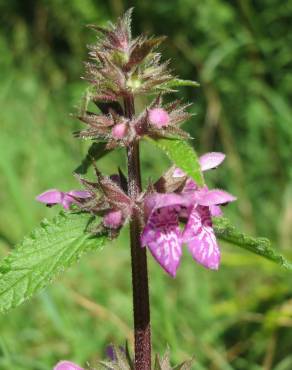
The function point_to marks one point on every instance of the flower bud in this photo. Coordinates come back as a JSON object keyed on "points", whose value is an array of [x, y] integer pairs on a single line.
{"points": [[158, 117], [113, 219], [119, 131]]}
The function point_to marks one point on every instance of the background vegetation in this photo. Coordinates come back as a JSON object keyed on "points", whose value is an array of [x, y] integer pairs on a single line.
{"points": [[240, 52]]}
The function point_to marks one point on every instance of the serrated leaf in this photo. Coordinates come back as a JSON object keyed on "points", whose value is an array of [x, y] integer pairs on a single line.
{"points": [[183, 156], [261, 246], [95, 152], [177, 82], [51, 248]]}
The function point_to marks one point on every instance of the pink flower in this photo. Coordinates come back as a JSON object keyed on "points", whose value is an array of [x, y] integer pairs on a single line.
{"points": [[162, 233], [67, 365], [158, 117], [54, 196]]}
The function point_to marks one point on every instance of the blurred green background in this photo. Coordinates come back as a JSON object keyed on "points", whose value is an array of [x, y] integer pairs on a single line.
{"points": [[240, 51]]}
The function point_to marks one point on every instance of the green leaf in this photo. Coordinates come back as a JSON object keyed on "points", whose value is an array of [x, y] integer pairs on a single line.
{"points": [[51, 248], [95, 152], [177, 82], [183, 156], [261, 246]]}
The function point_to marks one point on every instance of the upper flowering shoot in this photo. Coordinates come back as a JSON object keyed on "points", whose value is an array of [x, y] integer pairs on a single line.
{"points": [[189, 204], [121, 65], [120, 69]]}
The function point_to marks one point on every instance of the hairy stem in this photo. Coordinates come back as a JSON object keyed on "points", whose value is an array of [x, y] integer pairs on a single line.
{"points": [[139, 260]]}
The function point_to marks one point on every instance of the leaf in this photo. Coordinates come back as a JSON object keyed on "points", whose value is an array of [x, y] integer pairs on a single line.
{"points": [[177, 82], [95, 152], [183, 156], [51, 248], [261, 246]]}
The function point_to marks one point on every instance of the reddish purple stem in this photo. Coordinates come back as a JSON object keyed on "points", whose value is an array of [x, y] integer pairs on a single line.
{"points": [[141, 308]]}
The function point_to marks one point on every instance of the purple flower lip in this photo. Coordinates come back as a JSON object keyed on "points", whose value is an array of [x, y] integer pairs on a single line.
{"points": [[211, 160], [206, 197], [207, 162], [52, 197], [162, 233], [163, 212]]}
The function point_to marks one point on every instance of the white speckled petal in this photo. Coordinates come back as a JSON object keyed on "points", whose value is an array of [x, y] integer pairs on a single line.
{"points": [[200, 238], [163, 238]]}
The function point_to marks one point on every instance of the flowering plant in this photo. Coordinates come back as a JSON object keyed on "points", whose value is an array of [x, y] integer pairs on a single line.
{"points": [[177, 208]]}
